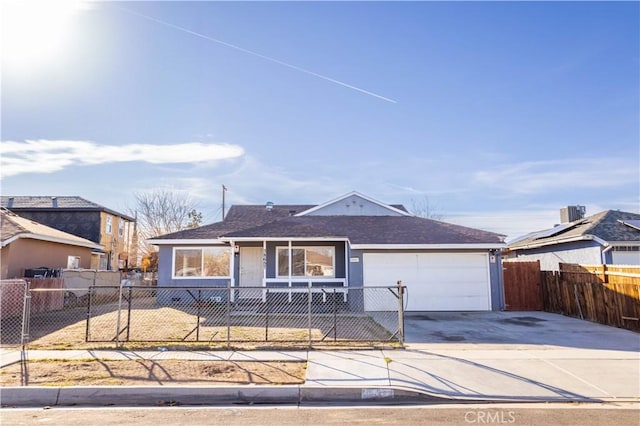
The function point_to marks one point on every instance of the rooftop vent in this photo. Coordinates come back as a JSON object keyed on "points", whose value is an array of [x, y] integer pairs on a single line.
{"points": [[54, 202], [269, 205], [572, 213], [10, 202]]}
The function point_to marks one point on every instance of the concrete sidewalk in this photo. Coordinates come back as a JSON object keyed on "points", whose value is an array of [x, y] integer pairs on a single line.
{"points": [[437, 372]]}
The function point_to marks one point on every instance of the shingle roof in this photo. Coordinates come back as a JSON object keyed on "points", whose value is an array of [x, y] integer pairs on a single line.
{"points": [[257, 222], [13, 226], [372, 230], [605, 225], [53, 203]]}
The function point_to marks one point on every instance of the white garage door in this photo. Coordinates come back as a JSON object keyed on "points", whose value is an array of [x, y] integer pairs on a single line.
{"points": [[435, 281]]}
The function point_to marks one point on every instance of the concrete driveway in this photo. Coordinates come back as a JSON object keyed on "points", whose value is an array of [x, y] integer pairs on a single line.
{"points": [[514, 329]]}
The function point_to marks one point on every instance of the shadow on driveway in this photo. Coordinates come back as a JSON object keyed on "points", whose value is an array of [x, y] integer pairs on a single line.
{"points": [[515, 328]]}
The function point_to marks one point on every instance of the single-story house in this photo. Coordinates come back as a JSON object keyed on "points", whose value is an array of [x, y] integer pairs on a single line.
{"points": [[347, 243], [27, 244], [608, 237]]}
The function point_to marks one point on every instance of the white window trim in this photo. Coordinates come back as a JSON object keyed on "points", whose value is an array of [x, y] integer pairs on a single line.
{"points": [[108, 225], [305, 261], [173, 263]]}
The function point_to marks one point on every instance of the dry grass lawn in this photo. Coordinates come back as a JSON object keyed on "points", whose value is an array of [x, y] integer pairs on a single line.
{"points": [[146, 372], [149, 327]]}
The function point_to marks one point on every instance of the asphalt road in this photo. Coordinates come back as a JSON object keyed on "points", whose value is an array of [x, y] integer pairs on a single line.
{"points": [[516, 414]]}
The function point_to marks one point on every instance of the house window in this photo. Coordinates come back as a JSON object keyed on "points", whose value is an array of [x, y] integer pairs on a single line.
{"points": [[73, 262], [306, 262], [201, 262], [108, 227], [120, 227]]}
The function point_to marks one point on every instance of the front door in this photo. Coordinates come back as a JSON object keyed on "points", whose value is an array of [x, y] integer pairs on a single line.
{"points": [[251, 272]]}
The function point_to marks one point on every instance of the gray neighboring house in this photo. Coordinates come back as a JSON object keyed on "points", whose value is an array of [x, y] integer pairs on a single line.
{"points": [[608, 237], [347, 243]]}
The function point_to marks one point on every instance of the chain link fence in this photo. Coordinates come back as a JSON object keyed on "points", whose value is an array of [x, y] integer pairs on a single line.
{"points": [[108, 316]]}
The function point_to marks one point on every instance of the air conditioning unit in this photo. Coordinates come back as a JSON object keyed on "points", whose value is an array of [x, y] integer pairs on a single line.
{"points": [[572, 213]]}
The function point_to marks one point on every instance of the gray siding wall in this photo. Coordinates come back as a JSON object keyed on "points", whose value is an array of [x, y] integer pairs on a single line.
{"points": [[582, 252], [354, 206], [181, 297]]}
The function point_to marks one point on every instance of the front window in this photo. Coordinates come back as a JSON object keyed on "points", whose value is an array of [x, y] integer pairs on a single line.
{"points": [[306, 262], [108, 225], [204, 262]]}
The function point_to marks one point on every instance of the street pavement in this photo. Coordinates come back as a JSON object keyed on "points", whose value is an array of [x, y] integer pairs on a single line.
{"points": [[521, 371]]}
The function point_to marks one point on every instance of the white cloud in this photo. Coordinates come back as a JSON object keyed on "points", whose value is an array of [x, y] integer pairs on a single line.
{"points": [[540, 176], [48, 156]]}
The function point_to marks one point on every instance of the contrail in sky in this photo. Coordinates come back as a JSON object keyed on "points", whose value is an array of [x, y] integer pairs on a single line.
{"points": [[324, 77]]}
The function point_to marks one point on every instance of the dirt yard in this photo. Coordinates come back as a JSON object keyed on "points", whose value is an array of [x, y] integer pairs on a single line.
{"points": [[153, 373]]}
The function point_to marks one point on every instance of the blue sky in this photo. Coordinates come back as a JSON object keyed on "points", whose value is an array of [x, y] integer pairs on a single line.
{"points": [[500, 113]]}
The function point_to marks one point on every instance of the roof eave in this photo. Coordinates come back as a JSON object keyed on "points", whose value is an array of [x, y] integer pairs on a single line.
{"points": [[240, 239], [31, 236], [186, 241], [450, 246]]}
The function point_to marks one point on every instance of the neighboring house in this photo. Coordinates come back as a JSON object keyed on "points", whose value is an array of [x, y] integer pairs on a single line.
{"points": [[350, 242], [27, 245], [83, 218], [608, 237]]}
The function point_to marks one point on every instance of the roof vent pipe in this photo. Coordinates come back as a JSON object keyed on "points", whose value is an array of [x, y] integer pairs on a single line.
{"points": [[54, 202], [269, 205]]}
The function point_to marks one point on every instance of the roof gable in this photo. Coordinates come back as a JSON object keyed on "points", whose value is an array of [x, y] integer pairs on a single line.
{"points": [[355, 204]]}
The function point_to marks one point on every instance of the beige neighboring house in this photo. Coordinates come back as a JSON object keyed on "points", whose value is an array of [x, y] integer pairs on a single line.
{"points": [[27, 244]]}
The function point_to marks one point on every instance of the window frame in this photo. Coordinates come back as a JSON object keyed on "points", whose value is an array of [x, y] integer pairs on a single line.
{"points": [[305, 248], [108, 225], [75, 260], [202, 260]]}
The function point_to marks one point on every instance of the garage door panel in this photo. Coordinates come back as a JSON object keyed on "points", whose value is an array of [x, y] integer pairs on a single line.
{"points": [[435, 281]]}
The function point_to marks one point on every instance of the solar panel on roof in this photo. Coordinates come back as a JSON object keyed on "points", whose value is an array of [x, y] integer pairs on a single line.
{"points": [[555, 230], [633, 223]]}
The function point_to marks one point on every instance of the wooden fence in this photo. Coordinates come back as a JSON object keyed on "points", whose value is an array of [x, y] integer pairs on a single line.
{"points": [[12, 296], [607, 294]]}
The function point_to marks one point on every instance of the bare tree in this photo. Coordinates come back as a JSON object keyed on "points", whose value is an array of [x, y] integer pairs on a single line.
{"points": [[425, 208], [162, 211]]}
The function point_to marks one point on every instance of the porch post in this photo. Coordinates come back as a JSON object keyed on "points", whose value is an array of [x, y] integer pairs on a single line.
{"points": [[290, 266], [346, 264], [265, 291], [264, 262]]}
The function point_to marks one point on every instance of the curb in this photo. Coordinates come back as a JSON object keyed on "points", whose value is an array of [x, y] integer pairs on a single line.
{"points": [[42, 396], [202, 395]]}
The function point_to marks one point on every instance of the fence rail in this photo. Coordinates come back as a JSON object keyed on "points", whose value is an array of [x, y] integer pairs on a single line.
{"points": [[213, 316]]}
